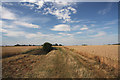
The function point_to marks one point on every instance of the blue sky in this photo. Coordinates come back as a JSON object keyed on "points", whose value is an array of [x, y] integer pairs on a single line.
{"points": [[68, 23]]}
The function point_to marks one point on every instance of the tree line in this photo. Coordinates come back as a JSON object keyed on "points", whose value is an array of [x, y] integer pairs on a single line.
{"points": [[37, 45]]}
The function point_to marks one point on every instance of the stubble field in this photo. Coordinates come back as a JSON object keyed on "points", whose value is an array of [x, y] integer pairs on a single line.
{"points": [[63, 62]]}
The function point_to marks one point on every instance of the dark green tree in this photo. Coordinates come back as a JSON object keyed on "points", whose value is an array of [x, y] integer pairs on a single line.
{"points": [[47, 47], [17, 45], [60, 44], [56, 44], [84, 44]]}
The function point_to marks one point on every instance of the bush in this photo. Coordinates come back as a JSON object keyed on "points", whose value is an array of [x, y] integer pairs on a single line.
{"points": [[47, 47], [60, 44], [56, 44], [84, 44], [17, 45]]}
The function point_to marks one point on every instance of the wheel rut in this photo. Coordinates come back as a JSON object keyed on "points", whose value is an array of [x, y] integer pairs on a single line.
{"points": [[60, 63]]}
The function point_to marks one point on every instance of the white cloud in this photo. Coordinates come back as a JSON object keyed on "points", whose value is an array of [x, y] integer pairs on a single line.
{"points": [[62, 10], [63, 14], [5, 24], [61, 27], [31, 35], [106, 10], [31, 19], [91, 31], [35, 35], [78, 32], [14, 33], [32, 4], [8, 26], [7, 14], [3, 30], [29, 0], [111, 22], [92, 25], [76, 27], [60, 3], [70, 35], [106, 27], [87, 21], [1, 23], [25, 24], [74, 21], [14, 24], [72, 9], [8, 3], [101, 33], [40, 3], [84, 27], [65, 34]]}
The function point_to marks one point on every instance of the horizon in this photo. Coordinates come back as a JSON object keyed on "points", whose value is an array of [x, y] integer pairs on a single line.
{"points": [[67, 23], [58, 44]]}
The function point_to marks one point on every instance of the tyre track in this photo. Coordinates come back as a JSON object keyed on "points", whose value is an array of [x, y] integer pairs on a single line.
{"points": [[60, 63], [92, 67], [76, 67]]}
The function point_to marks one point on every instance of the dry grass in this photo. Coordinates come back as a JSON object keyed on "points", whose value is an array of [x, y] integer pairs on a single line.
{"points": [[105, 53], [60, 63], [13, 50]]}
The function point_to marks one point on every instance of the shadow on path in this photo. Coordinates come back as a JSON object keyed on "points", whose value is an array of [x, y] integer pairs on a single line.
{"points": [[42, 52]]}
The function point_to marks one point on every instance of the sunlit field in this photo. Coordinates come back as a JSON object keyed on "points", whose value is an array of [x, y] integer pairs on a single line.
{"points": [[61, 62], [59, 39], [106, 53], [13, 50]]}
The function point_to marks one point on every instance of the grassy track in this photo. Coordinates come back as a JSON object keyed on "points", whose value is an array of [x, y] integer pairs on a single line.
{"points": [[60, 63]]}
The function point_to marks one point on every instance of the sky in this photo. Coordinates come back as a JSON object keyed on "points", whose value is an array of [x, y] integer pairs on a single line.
{"points": [[67, 23]]}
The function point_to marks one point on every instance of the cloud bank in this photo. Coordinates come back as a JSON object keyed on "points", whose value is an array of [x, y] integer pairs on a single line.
{"points": [[61, 27]]}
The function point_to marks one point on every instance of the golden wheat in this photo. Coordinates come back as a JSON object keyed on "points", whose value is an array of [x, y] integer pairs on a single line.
{"points": [[8, 51], [106, 53]]}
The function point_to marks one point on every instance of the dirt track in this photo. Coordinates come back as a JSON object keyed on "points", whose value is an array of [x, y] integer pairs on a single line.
{"points": [[60, 63]]}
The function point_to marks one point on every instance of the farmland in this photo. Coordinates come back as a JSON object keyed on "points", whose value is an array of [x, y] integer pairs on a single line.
{"points": [[63, 62], [12, 50], [107, 53]]}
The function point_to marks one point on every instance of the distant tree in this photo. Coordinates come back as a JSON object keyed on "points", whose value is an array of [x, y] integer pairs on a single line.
{"points": [[47, 47], [60, 44], [116, 44], [84, 44], [29, 45], [23, 45], [17, 45], [56, 44]]}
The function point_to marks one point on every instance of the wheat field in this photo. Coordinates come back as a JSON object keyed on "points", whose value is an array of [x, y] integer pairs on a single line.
{"points": [[14, 50], [62, 62], [106, 53]]}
